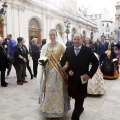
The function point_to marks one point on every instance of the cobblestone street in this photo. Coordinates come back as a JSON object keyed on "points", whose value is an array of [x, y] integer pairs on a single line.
{"points": [[21, 102], [72, 36]]}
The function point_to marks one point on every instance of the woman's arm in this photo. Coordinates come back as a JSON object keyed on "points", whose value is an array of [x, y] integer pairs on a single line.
{"points": [[64, 61], [17, 54]]}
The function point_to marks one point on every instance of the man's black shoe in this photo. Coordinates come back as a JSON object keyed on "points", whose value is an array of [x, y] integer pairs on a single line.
{"points": [[82, 110], [4, 85]]}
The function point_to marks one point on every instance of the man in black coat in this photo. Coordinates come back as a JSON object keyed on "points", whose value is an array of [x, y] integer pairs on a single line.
{"points": [[95, 44], [69, 43], [35, 55], [78, 57]]}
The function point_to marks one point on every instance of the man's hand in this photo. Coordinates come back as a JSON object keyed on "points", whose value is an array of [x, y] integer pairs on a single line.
{"points": [[71, 73], [65, 67], [24, 60], [86, 77]]}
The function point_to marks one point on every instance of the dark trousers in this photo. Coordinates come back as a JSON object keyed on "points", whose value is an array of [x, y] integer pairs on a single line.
{"points": [[35, 66], [101, 58], [20, 71], [11, 57], [77, 108], [2, 77], [29, 68]]}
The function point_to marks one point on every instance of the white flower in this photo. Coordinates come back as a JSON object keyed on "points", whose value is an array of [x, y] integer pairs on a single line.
{"points": [[43, 58], [114, 60], [5, 46], [43, 61]]}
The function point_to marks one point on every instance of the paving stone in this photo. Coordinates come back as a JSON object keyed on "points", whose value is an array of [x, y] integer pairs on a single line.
{"points": [[21, 102]]}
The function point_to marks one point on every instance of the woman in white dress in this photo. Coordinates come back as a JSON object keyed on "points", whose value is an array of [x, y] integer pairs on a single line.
{"points": [[54, 99], [96, 85]]}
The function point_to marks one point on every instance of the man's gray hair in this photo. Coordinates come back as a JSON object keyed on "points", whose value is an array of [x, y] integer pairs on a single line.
{"points": [[34, 40], [78, 34]]}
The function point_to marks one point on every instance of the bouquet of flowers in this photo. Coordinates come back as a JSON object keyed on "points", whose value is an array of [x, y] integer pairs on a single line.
{"points": [[43, 61]]}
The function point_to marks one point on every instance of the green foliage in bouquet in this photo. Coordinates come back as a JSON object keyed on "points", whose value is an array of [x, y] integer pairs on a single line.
{"points": [[43, 62]]}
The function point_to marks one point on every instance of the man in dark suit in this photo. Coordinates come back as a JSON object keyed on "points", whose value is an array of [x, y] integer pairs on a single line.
{"points": [[69, 43], [102, 47], [35, 55], [78, 57], [95, 44]]}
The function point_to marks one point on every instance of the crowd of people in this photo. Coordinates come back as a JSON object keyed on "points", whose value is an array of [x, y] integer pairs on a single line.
{"points": [[73, 70], [16, 53]]}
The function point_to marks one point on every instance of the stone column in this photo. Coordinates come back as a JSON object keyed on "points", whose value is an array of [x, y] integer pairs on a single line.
{"points": [[9, 21], [16, 23], [47, 26], [44, 27], [25, 25]]}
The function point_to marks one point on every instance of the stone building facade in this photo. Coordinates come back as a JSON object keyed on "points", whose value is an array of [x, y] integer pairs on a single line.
{"points": [[117, 21], [108, 29], [34, 18]]}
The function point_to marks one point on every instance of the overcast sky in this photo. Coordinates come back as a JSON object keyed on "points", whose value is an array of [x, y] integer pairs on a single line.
{"points": [[97, 5]]}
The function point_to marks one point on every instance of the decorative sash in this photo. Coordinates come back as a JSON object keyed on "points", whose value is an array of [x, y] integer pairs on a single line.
{"points": [[58, 68]]}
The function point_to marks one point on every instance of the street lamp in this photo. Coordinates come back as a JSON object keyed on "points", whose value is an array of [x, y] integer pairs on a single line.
{"points": [[92, 30], [3, 10], [67, 25]]}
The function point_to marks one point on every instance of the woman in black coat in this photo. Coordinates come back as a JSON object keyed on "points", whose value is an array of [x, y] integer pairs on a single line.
{"points": [[109, 67], [20, 60], [3, 63]]}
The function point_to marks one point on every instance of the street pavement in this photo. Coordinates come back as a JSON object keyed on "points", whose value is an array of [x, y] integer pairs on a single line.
{"points": [[21, 102]]}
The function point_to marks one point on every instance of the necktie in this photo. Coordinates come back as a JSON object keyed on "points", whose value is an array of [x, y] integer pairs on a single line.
{"points": [[103, 45], [77, 51]]}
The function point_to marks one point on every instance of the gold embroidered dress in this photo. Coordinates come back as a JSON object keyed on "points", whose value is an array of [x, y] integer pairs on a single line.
{"points": [[55, 100], [96, 85]]}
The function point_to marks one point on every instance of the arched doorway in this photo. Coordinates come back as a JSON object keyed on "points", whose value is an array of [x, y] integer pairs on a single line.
{"points": [[91, 36], [73, 33], [59, 29], [84, 35], [34, 30]]}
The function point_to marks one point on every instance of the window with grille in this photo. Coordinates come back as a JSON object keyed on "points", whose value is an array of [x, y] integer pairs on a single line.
{"points": [[34, 23]]}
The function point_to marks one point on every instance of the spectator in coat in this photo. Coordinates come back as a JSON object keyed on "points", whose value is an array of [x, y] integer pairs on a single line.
{"points": [[5, 44], [20, 60], [102, 47], [95, 44], [35, 55], [69, 43], [11, 46], [28, 65], [3, 63]]}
